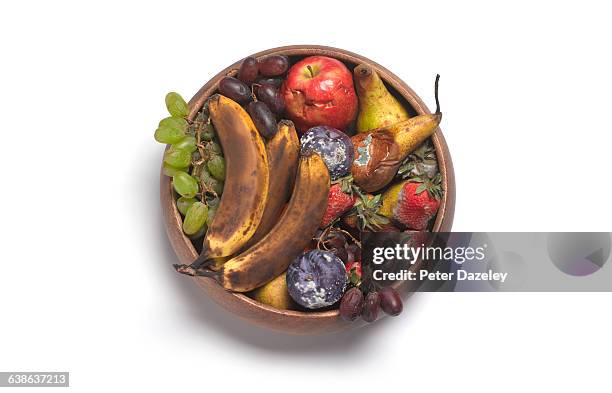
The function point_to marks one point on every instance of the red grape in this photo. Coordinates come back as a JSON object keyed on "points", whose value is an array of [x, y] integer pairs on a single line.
{"points": [[335, 239], [371, 307], [272, 97], [276, 82], [235, 89], [248, 70], [354, 252], [340, 253], [351, 304], [273, 65], [390, 301], [264, 119]]}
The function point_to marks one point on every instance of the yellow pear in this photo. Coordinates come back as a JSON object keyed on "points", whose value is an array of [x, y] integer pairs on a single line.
{"points": [[377, 107], [275, 294]]}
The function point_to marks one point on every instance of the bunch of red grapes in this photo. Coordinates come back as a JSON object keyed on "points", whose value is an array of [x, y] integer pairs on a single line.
{"points": [[354, 304], [257, 85]]}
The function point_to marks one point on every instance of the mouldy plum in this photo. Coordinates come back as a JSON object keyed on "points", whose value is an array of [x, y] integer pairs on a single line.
{"points": [[333, 145], [316, 279]]}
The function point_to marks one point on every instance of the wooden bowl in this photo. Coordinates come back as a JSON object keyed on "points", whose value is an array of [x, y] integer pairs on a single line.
{"points": [[286, 321]]}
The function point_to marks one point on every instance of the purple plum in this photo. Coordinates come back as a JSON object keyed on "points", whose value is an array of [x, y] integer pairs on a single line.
{"points": [[334, 146], [316, 279]]}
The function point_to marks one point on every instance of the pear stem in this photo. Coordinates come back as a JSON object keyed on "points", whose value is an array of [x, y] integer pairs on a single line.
{"points": [[436, 93]]}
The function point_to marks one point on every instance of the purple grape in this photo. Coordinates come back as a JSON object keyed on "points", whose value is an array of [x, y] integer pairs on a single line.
{"points": [[340, 253], [273, 65], [351, 304], [316, 279], [235, 89], [264, 119], [371, 307], [390, 301], [334, 146], [276, 82], [248, 70], [335, 239], [272, 97], [354, 252]]}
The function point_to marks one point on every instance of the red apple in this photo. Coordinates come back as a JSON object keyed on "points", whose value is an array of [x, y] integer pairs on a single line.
{"points": [[319, 91]]}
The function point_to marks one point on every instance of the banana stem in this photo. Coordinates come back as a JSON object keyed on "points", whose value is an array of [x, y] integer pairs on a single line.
{"points": [[201, 261], [436, 93], [185, 269], [189, 270]]}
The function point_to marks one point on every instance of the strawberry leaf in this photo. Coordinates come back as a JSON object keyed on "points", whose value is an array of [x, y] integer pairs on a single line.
{"points": [[354, 277], [367, 207], [346, 184], [421, 162], [421, 188]]}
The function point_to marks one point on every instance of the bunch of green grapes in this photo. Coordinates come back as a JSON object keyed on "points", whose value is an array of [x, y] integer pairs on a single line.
{"points": [[195, 162]]}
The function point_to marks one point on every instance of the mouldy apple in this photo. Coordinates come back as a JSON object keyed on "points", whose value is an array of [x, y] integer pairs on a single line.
{"points": [[318, 91]]}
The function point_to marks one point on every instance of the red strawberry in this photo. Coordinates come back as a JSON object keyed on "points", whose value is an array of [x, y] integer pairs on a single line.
{"points": [[338, 203], [417, 203], [353, 270]]}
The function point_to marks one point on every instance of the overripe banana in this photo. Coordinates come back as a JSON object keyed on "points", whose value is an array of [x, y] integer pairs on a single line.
{"points": [[283, 151], [246, 187], [272, 255]]}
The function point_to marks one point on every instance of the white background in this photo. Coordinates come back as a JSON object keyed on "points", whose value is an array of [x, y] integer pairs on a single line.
{"points": [[85, 279]]}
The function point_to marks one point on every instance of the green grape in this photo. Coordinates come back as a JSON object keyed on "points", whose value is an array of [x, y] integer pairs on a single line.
{"points": [[196, 156], [167, 134], [176, 105], [216, 166], [217, 187], [215, 148], [183, 204], [169, 170], [205, 175], [208, 132], [195, 218], [201, 117], [186, 143], [185, 185], [212, 202], [211, 214], [212, 183], [174, 122], [177, 158]]}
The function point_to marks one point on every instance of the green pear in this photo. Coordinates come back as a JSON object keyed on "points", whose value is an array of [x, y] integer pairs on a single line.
{"points": [[377, 107]]}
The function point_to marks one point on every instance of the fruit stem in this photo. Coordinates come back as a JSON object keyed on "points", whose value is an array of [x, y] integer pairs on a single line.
{"points": [[436, 93], [195, 272], [184, 269], [201, 261], [310, 70]]}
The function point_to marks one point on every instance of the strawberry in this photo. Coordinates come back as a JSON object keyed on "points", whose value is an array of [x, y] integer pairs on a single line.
{"points": [[413, 202], [353, 271], [338, 203]]}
